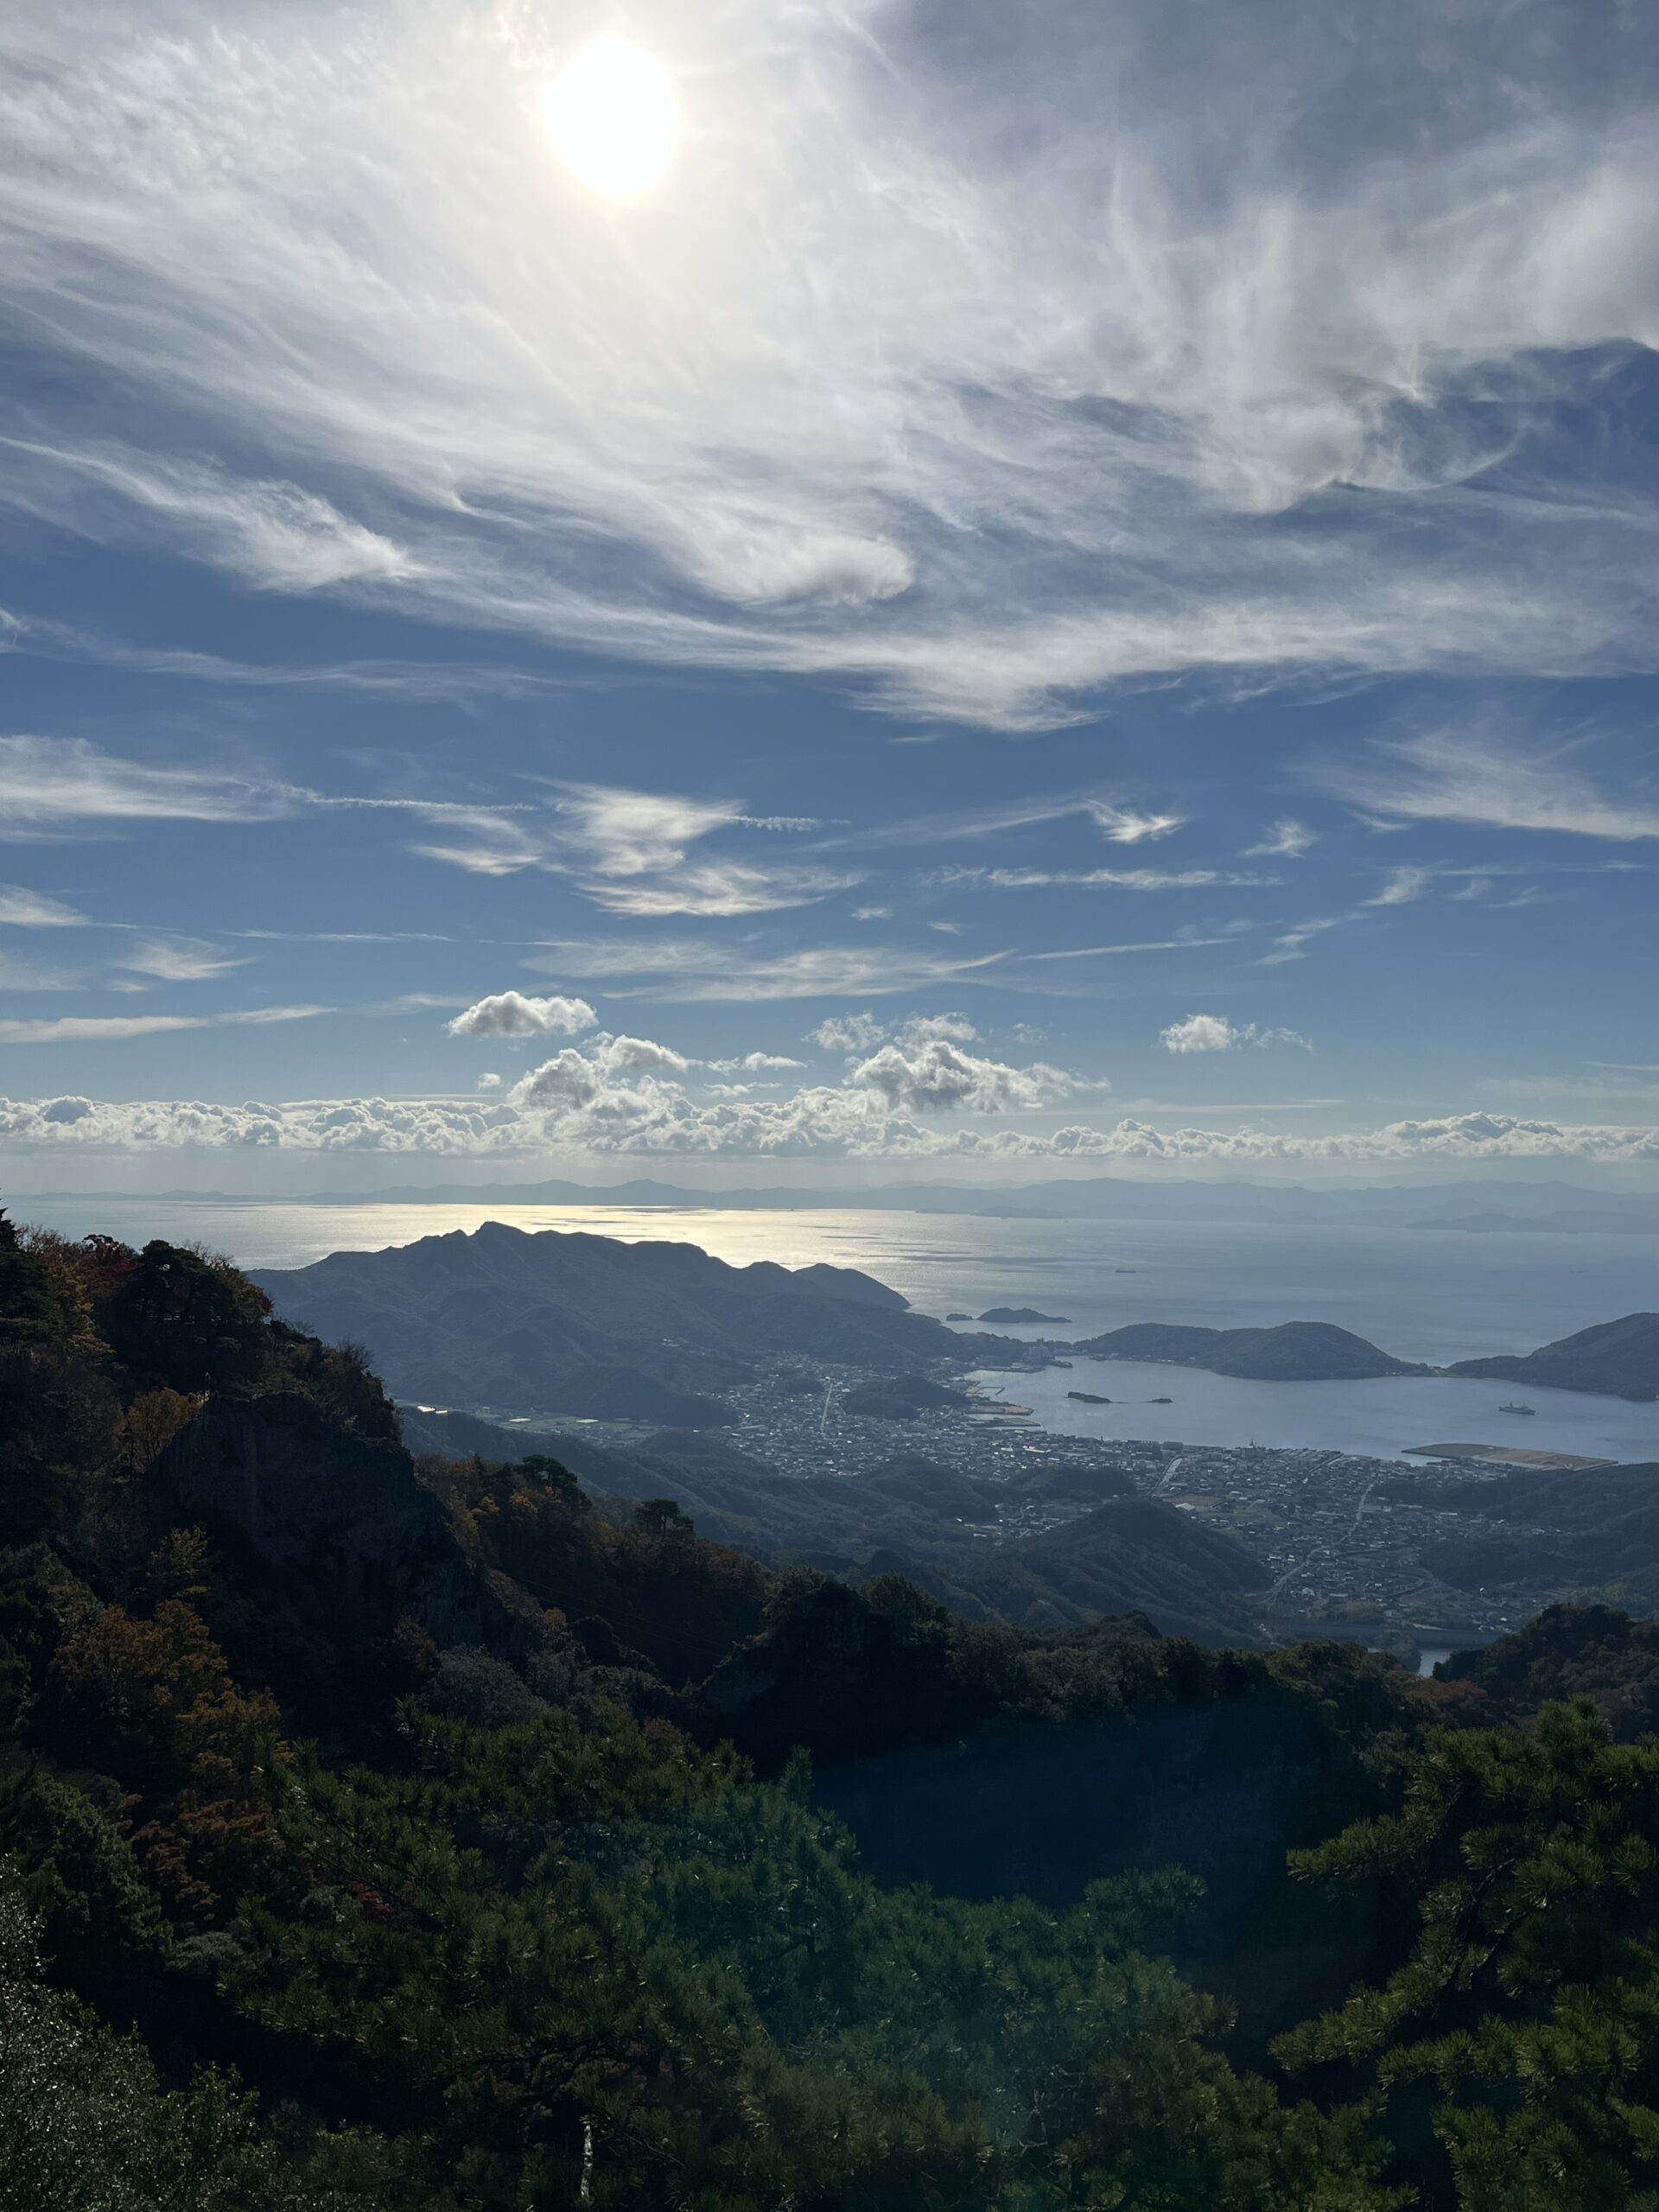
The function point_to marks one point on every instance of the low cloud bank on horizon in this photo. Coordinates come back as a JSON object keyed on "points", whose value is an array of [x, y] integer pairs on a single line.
{"points": [[826, 1122]]}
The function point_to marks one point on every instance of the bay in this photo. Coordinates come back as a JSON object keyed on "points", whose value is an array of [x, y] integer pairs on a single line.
{"points": [[1381, 1417]]}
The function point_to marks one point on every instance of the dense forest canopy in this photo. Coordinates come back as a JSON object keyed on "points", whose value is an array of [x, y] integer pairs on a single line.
{"points": [[441, 1836]]}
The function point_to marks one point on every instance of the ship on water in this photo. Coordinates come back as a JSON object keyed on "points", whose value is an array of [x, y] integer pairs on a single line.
{"points": [[1517, 1409]]}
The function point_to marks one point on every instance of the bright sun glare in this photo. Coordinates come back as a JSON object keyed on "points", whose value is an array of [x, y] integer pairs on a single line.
{"points": [[611, 118]]}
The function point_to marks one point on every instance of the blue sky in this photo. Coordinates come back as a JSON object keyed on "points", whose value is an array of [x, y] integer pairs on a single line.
{"points": [[1072, 589]]}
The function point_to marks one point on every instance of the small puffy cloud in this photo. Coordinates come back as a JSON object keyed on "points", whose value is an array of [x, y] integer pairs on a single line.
{"points": [[1213, 1032], [488, 1083], [566, 1081], [847, 1033], [936, 1076], [1283, 840], [617, 1056], [1201, 1033], [512, 1013]]}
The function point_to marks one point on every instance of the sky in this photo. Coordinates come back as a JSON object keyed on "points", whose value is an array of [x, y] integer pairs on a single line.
{"points": [[1071, 588]]}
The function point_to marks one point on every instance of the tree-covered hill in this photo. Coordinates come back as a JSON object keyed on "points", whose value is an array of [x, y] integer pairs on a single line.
{"points": [[377, 1835], [591, 1325], [1620, 1358]]}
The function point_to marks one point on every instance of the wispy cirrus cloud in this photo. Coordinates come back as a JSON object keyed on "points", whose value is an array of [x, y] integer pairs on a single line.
{"points": [[21, 909], [1491, 781], [1286, 839], [53, 783], [115, 1028], [1107, 878], [988, 385], [693, 969], [180, 960]]}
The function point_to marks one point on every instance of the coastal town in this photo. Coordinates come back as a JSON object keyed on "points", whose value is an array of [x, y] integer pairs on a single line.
{"points": [[1347, 1540]]}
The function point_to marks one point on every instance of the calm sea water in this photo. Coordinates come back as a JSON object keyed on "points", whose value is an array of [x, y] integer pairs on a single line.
{"points": [[1434, 1295], [1383, 1418]]}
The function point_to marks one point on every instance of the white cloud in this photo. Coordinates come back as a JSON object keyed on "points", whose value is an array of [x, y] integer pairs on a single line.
{"points": [[488, 1083], [694, 969], [934, 1075], [627, 849], [722, 888], [1185, 944], [29, 976], [1122, 825], [1201, 1033], [271, 535], [47, 781], [180, 960], [1403, 886], [32, 909], [493, 842], [977, 384], [108, 1028], [651, 1118], [756, 1064], [511, 1013], [1213, 1032], [1282, 840], [1110, 879], [1292, 943], [638, 833], [1474, 776], [926, 1028], [86, 1029], [621, 1056], [847, 1033]]}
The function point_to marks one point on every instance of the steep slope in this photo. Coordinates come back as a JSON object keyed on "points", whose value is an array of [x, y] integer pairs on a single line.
{"points": [[508, 1318], [1619, 1359], [1295, 1351]]}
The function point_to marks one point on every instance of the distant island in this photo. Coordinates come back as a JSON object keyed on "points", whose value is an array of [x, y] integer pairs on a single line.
{"points": [[1613, 1359], [1087, 1398], [1004, 1314], [1295, 1351]]}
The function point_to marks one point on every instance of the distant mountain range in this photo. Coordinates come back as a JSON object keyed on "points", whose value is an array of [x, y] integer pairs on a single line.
{"points": [[1468, 1204]]}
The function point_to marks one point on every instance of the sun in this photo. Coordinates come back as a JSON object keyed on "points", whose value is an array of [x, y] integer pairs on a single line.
{"points": [[611, 118]]}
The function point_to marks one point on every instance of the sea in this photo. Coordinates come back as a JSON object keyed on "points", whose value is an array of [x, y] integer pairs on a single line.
{"points": [[1436, 1295]]}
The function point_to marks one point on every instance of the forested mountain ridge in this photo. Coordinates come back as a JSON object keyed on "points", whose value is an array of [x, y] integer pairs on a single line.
{"points": [[371, 1836], [591, 1326]]}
